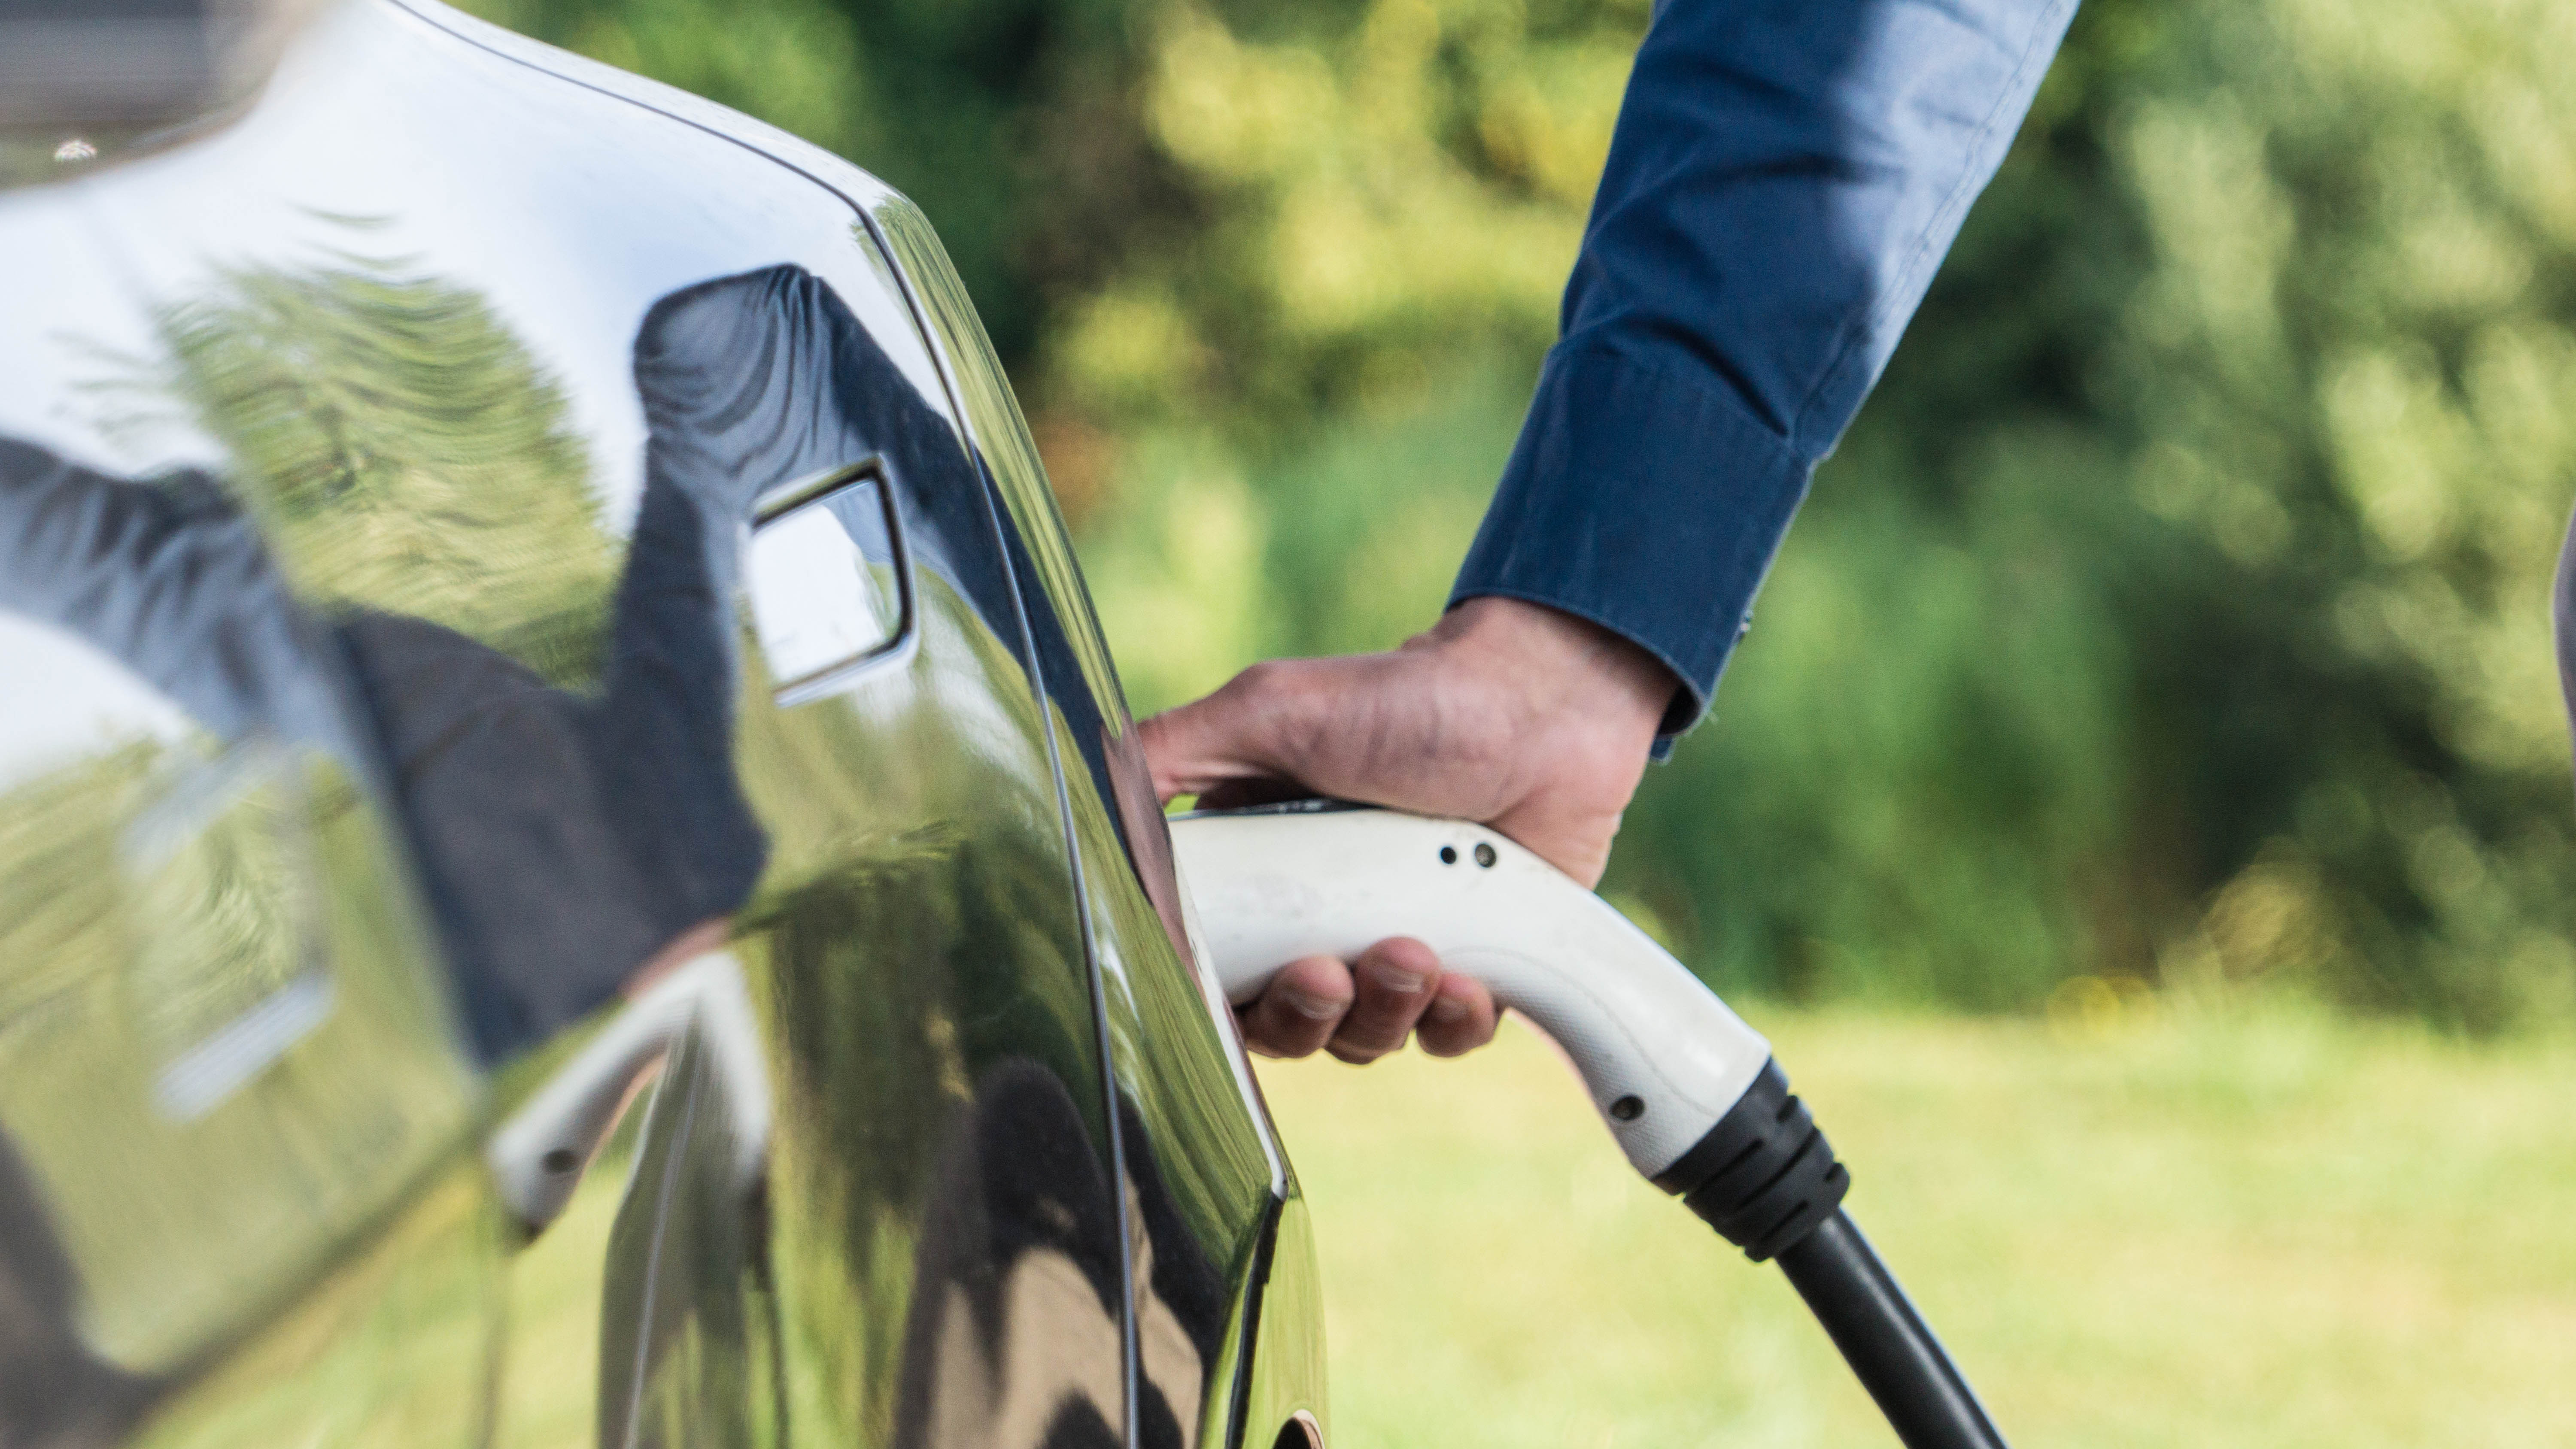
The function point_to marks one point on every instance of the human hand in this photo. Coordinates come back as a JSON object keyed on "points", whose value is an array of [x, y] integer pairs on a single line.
{"points": [[1508, 713]]}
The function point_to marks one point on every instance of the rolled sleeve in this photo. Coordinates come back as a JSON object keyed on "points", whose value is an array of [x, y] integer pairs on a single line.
{"points": [[1784, 178], [1609, 509]]}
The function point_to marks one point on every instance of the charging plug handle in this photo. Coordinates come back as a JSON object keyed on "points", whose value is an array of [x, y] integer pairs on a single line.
{"points": [[1690, 1091]]}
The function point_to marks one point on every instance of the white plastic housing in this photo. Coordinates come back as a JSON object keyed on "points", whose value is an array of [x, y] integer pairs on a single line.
{"points": [[1271, 887]]}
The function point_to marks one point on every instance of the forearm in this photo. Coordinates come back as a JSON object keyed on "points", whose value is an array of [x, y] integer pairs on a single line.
{"points": [[169, 580], [1783, 182]]}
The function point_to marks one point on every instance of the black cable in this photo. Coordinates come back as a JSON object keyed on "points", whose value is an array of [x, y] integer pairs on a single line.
{"points": [[1767, 1179], [1886, 1342]]}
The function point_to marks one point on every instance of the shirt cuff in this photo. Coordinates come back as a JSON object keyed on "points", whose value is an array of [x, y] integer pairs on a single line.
{"points": [[1643, 498]]}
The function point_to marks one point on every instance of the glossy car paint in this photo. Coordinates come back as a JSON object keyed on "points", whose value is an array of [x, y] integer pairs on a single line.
{"points": [[397, 785]]}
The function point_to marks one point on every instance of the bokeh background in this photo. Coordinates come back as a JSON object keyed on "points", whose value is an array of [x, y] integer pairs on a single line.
{"points": [[2176, 608], [2151, 724]]}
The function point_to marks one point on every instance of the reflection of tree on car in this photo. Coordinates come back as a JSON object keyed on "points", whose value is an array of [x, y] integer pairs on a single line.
{"points": [[569, 836], [189, 882], [1018, 1227], [566, 839], [551, 885]]}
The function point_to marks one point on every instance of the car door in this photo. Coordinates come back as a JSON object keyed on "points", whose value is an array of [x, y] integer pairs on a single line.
{"points": [[1220, 1265], [615, 502]]}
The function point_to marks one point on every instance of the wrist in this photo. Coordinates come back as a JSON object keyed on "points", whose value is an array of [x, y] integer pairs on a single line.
{"points": [[1557, 663]]}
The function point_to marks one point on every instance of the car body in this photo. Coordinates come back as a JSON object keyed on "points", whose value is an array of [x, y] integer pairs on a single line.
{"points": [[573, 867]]}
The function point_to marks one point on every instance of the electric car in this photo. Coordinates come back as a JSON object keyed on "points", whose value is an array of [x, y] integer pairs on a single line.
{"points": [[573, 868]]}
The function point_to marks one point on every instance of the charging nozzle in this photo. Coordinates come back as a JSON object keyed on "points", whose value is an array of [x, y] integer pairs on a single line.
{"points": [[1690, 1091], [1661, 1057]]}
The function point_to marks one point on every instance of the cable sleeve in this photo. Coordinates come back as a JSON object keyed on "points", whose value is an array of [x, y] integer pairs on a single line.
{"points": [[1764, 1176]]}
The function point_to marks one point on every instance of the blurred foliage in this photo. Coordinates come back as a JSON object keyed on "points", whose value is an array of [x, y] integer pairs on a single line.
{"points": [[2176, 610], [2091, 1210]]}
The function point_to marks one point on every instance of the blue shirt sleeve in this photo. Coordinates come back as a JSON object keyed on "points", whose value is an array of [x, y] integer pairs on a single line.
{"points": [[1784, 179]]}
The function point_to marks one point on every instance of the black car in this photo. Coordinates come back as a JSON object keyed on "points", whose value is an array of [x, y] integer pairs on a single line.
{"points": [[573, 868]]}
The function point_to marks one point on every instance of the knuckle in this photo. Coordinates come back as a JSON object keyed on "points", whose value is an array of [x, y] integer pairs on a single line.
{"points": [[1258, 681]]}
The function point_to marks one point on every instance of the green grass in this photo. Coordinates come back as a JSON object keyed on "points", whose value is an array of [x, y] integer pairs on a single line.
{"points": [[2263, 1227]]}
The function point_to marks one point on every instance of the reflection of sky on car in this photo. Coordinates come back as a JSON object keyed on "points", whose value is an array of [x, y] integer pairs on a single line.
{"points": [[814, 599], [409, 172], [383, 126], [113, 705]]}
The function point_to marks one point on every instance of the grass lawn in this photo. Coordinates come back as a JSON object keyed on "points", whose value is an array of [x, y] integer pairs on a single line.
{"points": [[2265, 1228]]}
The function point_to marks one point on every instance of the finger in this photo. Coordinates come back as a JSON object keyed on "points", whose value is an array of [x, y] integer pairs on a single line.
{"points": [[1460, 1018], [1173, 745], [1204, 744], [1306, 1001], [1395, 981], [1171, 750]]}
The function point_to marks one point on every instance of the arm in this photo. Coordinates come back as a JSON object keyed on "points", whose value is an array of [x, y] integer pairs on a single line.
{"points": [[174, 583], [1784, 179]]}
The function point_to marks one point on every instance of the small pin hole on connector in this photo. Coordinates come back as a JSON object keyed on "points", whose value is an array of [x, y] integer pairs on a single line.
{"points": [[1484, 855], [561, 1161], [1628, 1109], [1448, 855]]}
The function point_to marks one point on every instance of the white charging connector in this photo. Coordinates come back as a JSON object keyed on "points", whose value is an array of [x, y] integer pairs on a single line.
{"points": [[1662, 1057], [1689, 1090]]}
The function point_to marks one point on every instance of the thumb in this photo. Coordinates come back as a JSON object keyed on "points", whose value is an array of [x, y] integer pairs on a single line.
{"points": [[1198, 746]]}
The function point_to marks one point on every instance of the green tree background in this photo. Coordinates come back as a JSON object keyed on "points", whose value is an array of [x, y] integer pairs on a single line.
{"points": [[2176, 614]]}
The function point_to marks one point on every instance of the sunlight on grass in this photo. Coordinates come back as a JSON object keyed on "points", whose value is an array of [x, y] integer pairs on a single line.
{"points": [[2266, 1228]]}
